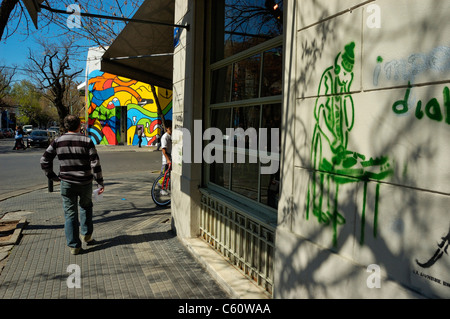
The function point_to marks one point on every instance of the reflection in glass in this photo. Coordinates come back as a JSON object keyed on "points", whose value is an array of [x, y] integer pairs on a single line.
{"points": [[221, 118], [246, 117], [236, 26], [246, 75], [272, 72], [221, 85], [242, 24], [220, 172], [271, 118], [270, 189], [244, 177]]}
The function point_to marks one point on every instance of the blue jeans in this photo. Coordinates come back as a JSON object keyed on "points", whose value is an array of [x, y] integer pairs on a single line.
{"points": [[70, 194]]}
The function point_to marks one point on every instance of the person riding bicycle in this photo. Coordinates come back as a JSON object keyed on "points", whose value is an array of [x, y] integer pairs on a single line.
{"points": [[166, 147]]}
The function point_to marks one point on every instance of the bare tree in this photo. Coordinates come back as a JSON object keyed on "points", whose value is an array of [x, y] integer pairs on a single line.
{"points": [[6, 77], [52, 74], [100, 31]]}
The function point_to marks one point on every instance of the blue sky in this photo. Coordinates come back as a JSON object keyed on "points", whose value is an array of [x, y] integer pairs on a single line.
{"points": [[14, 50]]}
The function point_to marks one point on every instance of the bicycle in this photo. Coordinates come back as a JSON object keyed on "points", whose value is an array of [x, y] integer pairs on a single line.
{"points": [[161, 189]]}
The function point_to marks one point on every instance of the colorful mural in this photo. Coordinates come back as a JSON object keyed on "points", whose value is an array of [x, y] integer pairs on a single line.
{"points": [[107, 95]]}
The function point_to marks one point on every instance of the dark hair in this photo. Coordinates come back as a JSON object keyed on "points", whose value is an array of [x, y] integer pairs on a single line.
{"points": [[71, 122], [168, 124]]}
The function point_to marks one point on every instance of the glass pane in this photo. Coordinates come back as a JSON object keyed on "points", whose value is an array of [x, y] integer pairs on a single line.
{"points": [[272, 72], [246, 76], [221, 85], [271, 118], [241, 24], [246, 117], [270, 189], [245, 175], [220, 173], [245, 178], [221, 119]]}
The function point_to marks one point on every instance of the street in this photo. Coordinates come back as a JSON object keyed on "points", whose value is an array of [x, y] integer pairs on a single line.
{"points": [[20, 170]]}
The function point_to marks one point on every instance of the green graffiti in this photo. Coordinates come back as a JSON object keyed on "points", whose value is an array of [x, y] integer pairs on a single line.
{"points": [[432, 108], [333, 164]]}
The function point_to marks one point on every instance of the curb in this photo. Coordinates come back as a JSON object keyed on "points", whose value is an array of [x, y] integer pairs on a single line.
{"points": [[21, 192]]}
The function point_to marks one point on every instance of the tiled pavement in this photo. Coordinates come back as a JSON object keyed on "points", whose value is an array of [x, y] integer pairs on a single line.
{"points": [[136, 254]]}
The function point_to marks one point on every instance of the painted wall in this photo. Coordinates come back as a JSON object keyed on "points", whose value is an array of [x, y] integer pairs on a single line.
{"points": [[365, 175], [108, 93]]}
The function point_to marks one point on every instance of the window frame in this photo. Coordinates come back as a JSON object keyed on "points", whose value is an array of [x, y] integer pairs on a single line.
{"points": [[259, 49]]}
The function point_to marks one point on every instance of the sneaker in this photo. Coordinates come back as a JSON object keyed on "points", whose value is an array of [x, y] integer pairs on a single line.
{"points": [[86, 238], [75, 251]]}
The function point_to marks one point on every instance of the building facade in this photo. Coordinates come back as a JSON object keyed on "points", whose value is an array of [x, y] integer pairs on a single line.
{"points": [[118, 106], [359, 91]]}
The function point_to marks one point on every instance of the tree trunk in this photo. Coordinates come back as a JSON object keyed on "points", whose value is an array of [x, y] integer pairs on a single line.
{"points": [[158, 107]]}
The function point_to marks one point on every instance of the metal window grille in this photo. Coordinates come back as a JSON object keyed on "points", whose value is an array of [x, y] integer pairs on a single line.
{"points": [[243, 240]]}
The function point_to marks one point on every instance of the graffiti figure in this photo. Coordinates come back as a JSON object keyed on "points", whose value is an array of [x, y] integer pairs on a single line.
{"points": [[333, 164], [442, 248]]}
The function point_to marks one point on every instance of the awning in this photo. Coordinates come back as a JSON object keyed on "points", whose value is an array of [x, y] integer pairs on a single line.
{"points": [[142, 51]]}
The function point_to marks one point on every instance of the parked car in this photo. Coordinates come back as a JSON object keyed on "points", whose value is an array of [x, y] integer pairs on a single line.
{"points": [[8, 132], [39, 138], [27, 129], [55, 129]]}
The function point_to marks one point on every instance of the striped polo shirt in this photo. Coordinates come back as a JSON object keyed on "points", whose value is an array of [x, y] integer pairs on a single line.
{"points": [[78, 158]]}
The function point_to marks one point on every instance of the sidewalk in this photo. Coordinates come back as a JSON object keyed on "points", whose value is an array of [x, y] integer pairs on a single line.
{"points": [[126, 148], [136, 255]]}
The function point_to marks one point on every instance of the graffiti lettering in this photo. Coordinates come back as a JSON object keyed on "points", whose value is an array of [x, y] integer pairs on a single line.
{"points": [[438, 60], [442, 248], [432, 108]]}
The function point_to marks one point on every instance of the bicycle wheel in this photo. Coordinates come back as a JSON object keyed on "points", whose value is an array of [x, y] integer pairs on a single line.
{"points": [[161, 191]]}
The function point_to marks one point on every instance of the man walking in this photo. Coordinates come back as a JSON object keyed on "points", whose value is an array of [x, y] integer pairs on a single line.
{"points": [[79, 166]]}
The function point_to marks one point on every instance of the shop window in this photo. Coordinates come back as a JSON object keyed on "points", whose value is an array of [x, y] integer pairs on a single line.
{"points": [[245, 90], [242, 24]]}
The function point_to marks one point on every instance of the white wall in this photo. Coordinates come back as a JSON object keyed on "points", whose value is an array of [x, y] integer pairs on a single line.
{"points": [[400, 215], [187, 107]]}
